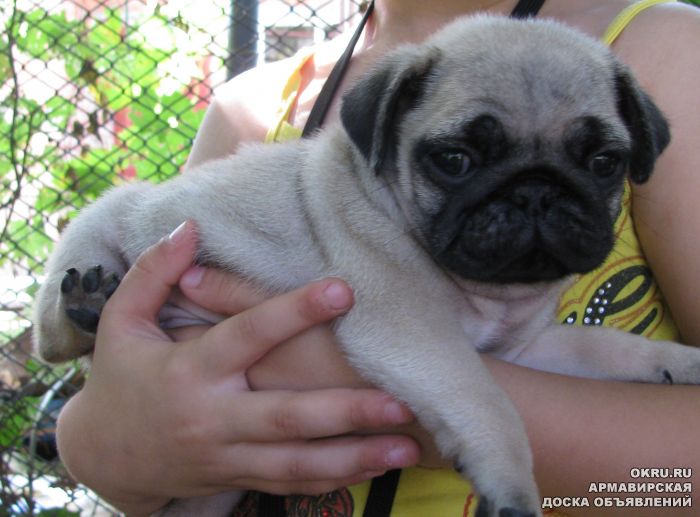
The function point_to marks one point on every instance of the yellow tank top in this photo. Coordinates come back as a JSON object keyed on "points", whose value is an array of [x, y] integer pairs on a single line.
{"points": [[621, 293]]}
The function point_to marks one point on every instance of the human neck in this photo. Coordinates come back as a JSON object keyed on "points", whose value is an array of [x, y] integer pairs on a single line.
{"points": [[399, 21]]}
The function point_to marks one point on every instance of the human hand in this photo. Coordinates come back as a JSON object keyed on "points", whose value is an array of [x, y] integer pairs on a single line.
{"points": [[158, 420], [309, 360]]}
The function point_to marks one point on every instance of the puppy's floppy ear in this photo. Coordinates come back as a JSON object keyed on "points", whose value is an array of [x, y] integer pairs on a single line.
{"points": [[645, 122], [372, 108]]}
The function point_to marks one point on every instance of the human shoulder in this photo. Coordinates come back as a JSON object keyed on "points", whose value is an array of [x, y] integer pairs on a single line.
{"points": [[244, 108], [660, 45], [250, 101], [259, 90], [659, 37]]}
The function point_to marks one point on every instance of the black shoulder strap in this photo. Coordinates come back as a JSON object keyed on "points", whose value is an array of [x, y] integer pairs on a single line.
{"points": [[269, 506], [325, 97], [527, 8], [381, 494], [523, 9]]}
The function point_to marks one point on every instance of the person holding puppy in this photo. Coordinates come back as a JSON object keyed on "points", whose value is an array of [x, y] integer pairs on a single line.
{"points": [[185, 424]]}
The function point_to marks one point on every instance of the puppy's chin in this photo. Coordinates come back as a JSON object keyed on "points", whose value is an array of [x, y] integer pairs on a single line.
{"points": [[533, 266], [508, 242]]}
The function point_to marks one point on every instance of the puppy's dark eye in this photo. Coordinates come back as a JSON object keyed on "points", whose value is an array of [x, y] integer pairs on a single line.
{"points": [[604, 165], [451, 163]]}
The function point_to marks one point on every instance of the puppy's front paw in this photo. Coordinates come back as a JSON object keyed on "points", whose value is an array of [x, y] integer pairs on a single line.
{"points": [[677, 364], [84, 295], [681, 374], [487, 509], [508, 495]]}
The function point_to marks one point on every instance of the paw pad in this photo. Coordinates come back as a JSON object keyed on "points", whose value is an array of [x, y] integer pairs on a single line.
{"points": [[85, 295]]}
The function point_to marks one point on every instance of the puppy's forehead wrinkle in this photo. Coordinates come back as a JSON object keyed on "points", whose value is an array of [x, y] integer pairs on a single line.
{"points": [[544, 73], [589, 134], [527, 113]]}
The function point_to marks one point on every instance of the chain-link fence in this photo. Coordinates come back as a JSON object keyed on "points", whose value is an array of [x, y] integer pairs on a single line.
{"points": [[93, 93]]}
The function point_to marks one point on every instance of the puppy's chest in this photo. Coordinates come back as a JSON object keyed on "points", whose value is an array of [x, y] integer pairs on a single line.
{"points": [[501, 328]]}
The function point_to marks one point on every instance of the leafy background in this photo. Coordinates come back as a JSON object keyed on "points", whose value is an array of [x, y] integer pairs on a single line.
{"points": [[86, 102], [89, 98]]}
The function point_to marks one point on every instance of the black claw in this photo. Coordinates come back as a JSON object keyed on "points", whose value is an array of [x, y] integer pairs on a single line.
{"points": [[458, 467], [86, 319], [483, 509], [111, 285], [668, 378], [70, 280], [512, 512], [92, 279]]}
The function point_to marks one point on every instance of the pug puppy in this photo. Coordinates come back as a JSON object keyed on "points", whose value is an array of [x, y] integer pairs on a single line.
{"points": [[471, 176]]}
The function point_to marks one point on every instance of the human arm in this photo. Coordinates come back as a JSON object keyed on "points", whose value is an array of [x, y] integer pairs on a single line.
{"points": [[582, 431], [178, 420], [585, 431]]}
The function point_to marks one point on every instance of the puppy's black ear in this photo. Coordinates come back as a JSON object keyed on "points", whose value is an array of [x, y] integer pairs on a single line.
{"points": [[645, 122], [372, 108]]}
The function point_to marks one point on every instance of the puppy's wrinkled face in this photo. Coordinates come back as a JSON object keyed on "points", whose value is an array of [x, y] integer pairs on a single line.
{"points": [[520, 181], [511, 141], [506, 206]]}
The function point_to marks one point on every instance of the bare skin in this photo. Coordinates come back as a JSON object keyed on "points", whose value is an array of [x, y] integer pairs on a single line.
{"points": [[581, 431]]}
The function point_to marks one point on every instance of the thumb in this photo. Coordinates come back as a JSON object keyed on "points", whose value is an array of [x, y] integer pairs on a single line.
{"points": [[149, 281]]}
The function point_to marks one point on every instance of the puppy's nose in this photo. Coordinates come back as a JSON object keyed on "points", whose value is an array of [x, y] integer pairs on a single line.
{"points": [[534, 197]]}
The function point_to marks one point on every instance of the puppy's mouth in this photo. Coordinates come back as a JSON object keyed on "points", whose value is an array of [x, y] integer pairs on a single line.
{"points": [[531, 231]]}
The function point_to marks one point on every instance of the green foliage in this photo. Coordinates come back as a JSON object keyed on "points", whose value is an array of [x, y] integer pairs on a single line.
{"points": [[102, 112], [17, 417], [57, 512], [84, 104]]}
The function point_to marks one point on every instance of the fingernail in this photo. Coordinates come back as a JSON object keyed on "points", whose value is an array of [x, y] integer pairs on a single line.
{"points": [[336, 296], [178, 233], [398, 457], [192, 277]]}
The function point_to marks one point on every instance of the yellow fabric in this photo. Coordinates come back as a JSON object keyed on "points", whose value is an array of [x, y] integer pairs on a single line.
{"points": [[283, 130], [621, 293], [626, 16]]}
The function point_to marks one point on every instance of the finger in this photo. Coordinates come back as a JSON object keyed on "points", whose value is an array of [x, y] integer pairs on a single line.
{"points": [[238, 342], [219, 291], [321, 460], [289, 416], [147, 284]]}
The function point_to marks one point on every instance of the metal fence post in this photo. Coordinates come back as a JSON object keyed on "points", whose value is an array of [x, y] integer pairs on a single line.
{"points": [[243, 37]]}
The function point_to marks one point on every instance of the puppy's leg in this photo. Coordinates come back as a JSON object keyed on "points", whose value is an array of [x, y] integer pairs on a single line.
{"points": [[428, 366], [607, 353], [81, 274]]}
